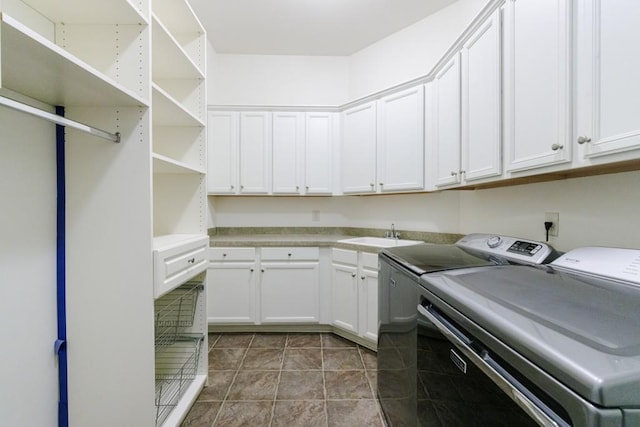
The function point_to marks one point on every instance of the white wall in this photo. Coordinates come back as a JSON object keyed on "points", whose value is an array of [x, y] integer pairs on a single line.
{"points": [[277, 80], [410, 53], [436, 212], [599, 210], [333, 80]]}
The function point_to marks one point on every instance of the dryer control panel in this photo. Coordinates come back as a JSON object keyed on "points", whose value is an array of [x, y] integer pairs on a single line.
{"points": [[507, 248]]}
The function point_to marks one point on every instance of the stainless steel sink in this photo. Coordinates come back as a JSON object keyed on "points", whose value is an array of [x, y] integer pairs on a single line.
{"points": [[380, 242]]}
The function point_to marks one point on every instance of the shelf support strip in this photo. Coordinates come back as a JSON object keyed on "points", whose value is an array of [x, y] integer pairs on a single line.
{"points": [[63, 121]]}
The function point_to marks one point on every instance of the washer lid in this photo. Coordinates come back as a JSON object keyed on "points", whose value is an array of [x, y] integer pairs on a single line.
{"points": [[425, 258], [583, 330]]}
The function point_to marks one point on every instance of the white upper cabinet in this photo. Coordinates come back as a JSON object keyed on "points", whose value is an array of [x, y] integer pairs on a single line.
{"points": [[401, 141], [537, 70], [383, 144], [255, 152], [222, 136], [444, 123], [261, 152], [287, 148], [358, 151], [318, 164], [608, 109], [481, 102]]}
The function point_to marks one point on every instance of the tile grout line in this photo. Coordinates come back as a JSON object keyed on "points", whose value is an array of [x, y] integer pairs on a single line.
{"points": [[324, 382], [226, 395], [375, 397], [275, 396]]}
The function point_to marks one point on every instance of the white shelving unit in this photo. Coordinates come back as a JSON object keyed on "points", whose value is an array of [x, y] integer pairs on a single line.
{"points": [[178, 94], [123, 201], [92, 58]]}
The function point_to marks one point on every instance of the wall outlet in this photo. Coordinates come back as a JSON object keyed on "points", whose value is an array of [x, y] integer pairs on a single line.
{"points": [[554, 217], [315, 216]]}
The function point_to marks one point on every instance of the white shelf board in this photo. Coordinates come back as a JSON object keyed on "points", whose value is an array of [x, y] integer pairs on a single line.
{"points": [[169, 112], [89, 11], [177, 16], [181, 410], [170, 61], [164, 164], [35, 67]]}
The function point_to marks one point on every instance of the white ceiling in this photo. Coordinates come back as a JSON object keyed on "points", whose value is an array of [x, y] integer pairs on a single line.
{"points": [[306, 27]]}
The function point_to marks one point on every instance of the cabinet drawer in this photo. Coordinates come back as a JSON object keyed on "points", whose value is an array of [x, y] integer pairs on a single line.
{"points": [[177, 262], [369, 260], [344, 256], [290, 254], [232, 254]]}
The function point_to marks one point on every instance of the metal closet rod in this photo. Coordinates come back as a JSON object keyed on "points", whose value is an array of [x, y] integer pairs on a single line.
{"points": [[7, 102]]}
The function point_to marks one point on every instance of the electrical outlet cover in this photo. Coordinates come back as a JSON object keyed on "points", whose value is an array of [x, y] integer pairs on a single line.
{"points": [[554, 217]]}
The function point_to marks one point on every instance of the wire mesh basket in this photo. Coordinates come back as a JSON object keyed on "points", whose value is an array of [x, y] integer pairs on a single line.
{"points": [[176, 368], [174, 313]]}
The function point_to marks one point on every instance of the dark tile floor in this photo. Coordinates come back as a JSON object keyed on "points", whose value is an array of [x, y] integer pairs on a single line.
{"points": [[295, 379]]}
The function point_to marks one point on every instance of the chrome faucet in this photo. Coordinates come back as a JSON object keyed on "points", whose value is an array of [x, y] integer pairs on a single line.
{"points": [[392, 233]]}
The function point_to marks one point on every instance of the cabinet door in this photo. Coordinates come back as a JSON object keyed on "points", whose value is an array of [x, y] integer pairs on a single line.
{"points": [[255, 149], [369, 304], [288, 137], [445, 121], [607, 73], [537, 89], [481, 102], [289, 292], [401, 141], [222, 137], [231, 293], [358, 154], [318, 152], [344, 297]]}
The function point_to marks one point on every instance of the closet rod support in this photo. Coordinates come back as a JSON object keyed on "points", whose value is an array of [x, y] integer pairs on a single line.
{"points": [[19, 106]]}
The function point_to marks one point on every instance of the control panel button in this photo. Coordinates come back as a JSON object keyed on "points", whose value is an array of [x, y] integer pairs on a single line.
{"points": [[494, 241]]}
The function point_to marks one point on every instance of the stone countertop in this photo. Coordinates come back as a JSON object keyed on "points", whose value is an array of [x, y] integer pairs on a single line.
{"points": [[293, 239], [329, 237], [290, 240]]}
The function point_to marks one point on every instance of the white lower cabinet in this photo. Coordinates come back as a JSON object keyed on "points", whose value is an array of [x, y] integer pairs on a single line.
{"points": [[368, 304], [231, 289], [283, 285], [354, 296], [289, 292], [266, 285], [344, 296], [289, 285]]}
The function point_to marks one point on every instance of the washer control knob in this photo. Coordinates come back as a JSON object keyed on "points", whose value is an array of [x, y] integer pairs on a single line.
{"points": [[494, 241]]}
